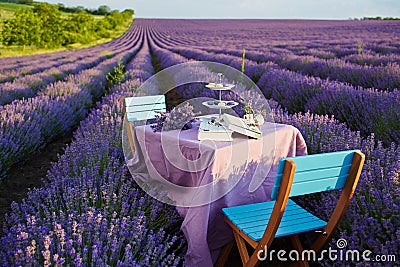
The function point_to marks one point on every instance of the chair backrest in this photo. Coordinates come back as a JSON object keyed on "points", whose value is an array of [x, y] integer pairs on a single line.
{"points": [[316, 173], [139, 108], [143, 107]]}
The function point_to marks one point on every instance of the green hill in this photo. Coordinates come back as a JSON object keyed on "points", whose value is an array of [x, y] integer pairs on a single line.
{"points": [[43, 27], [7, 10]]}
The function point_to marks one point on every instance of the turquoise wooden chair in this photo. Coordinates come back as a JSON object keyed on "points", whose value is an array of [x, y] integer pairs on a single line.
{"points": [[141, 108], [258, 224]]}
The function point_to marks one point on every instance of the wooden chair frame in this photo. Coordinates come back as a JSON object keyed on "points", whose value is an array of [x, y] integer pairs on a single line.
{"points": [[128, 128], [275, 219]]}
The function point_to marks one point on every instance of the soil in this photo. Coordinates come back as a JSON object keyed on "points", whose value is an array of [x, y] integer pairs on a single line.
{"points": [[172, 99], [28, 175]]}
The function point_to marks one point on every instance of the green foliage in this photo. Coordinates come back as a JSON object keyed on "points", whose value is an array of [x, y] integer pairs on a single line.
{"points": [[102, 10], [23, 30], [379, 18], [248, 109], [45, 27], [243, 58], [52, 32], [80, 28], [102, 29], [117, 75], [7, 11], [113, 18], [360, 47], [25, 2]]}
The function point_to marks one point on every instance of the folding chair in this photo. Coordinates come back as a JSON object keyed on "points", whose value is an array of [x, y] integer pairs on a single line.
{"points": [[258, 224], [141, 108]]}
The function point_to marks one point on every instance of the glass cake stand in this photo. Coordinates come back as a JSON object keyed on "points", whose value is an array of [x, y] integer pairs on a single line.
{"points": [[220, 104]]}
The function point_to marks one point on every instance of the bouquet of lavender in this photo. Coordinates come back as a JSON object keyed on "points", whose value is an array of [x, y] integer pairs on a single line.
{"points": [[181, 117]]}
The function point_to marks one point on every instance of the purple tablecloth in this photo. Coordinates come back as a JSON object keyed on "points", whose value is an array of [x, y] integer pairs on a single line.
{"points": [[247, 165]]}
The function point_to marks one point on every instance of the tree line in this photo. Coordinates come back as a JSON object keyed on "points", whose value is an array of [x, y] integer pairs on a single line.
{"points": [[377, 18], [22, 2], [101, 10], [43, 26]]}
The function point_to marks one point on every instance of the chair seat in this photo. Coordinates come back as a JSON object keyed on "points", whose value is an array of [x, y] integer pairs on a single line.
{"points": [[252, 219]]}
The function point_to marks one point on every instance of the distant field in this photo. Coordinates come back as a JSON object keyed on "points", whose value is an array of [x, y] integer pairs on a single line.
{"points": [[7, 10], [11, 7]]}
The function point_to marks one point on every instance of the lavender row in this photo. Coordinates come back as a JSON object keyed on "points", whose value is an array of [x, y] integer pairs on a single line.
{"points": [[370, 58], [165, 58], [138, 70], [12, 71], [380, 175], [331, 38], [140, 67], [17, 62], [29, 124], [366, 110], [92, 170], [371, 221], [181, 54], [380, 77], [358, 55], [251, 68], [343, 37], [14, 67], [28, 85], [91, 212]]}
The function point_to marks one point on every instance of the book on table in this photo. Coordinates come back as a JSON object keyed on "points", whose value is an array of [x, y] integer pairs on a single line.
{"points": [[209, 130], [239, 125]]}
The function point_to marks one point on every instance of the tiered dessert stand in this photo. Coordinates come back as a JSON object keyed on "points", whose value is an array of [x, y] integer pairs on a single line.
{"points": [[210, 128], [220, 104]]}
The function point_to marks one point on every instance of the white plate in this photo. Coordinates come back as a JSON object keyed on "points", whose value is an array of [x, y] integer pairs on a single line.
{"points": [[220, 86], [212, 104]]}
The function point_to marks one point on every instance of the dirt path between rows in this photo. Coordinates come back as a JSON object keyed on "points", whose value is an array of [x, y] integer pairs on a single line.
{"points": [[28, 175]]}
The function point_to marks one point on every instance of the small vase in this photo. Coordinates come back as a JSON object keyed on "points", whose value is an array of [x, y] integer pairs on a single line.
{"points": [[259, 119]]}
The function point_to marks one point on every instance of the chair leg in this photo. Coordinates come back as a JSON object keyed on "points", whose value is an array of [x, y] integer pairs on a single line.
{"points": [[297, 245], [224, 254], [244, 255]]}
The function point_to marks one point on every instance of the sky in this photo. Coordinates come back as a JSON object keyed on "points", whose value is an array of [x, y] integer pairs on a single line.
{"points": [[264, 9]]}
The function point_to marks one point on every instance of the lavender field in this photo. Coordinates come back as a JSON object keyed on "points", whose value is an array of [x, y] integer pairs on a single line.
{"points": [[336, 81]]}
